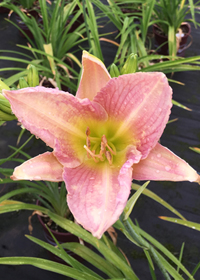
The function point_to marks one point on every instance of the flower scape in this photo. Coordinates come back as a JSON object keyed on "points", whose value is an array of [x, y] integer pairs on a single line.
{"points": [[102, 138]]}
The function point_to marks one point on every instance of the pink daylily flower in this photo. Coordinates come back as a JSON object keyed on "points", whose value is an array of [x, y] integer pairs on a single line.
{"points": [[102, 138]]}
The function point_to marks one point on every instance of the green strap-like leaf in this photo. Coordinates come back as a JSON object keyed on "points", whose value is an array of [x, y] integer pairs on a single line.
{"points": [[93, 258], [131, 202], [189, 224], [158, 199], [76, 230], [49, 265], [164, 251], [64, 256]]}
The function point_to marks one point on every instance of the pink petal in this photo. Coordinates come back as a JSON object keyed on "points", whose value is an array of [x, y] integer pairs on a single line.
{"points": [[163, 165], [94, 76], [58, 118], [42, 167], [140, 103], [98, 192]]}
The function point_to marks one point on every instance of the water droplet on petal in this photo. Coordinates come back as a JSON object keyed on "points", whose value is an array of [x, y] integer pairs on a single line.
{"points": [[157, 171], [167, 168], [158, 155]]}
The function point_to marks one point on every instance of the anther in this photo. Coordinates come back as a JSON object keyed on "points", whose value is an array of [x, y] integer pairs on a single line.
{"points": [[102, 150], [104, 140], [87, 131], [109, 157]]}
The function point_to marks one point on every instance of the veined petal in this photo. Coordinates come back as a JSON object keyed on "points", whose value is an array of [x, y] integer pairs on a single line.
{"points": [[163, 165], [58, 118], [97, 194], [94, 76], [141, 103], [42, 167]]}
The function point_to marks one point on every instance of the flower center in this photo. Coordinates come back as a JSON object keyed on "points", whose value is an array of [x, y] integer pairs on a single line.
{"points": [[98, 148]]}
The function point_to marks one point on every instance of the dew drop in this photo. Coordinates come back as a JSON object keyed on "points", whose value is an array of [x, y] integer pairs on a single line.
{"points": [[167, 168], [158, 155], [157, 171]]}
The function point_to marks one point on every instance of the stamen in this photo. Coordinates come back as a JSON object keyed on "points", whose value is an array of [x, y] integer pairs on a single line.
{"points": [[102, 150], [88, 143], [104, 140], [103, 153], [109, 157], [91, 153], [111, 150]]}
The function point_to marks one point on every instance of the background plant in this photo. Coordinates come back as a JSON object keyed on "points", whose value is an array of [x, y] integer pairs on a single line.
{"points": [[54, 36], [169, 14], [111, 261]]}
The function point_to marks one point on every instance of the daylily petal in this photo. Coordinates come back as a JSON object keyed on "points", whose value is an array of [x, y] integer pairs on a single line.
{"points": [[42, 167], [97, 193], [163, 165], [141, 104], [58, 118], [94, 76]]}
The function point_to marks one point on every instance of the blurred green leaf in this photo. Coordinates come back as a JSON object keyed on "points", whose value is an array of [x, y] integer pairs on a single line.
{"points": [[189, 224]]}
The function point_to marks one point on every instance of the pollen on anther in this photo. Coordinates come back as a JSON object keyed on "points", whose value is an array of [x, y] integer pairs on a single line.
{"points": [[87, 131], [109, 157]]}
